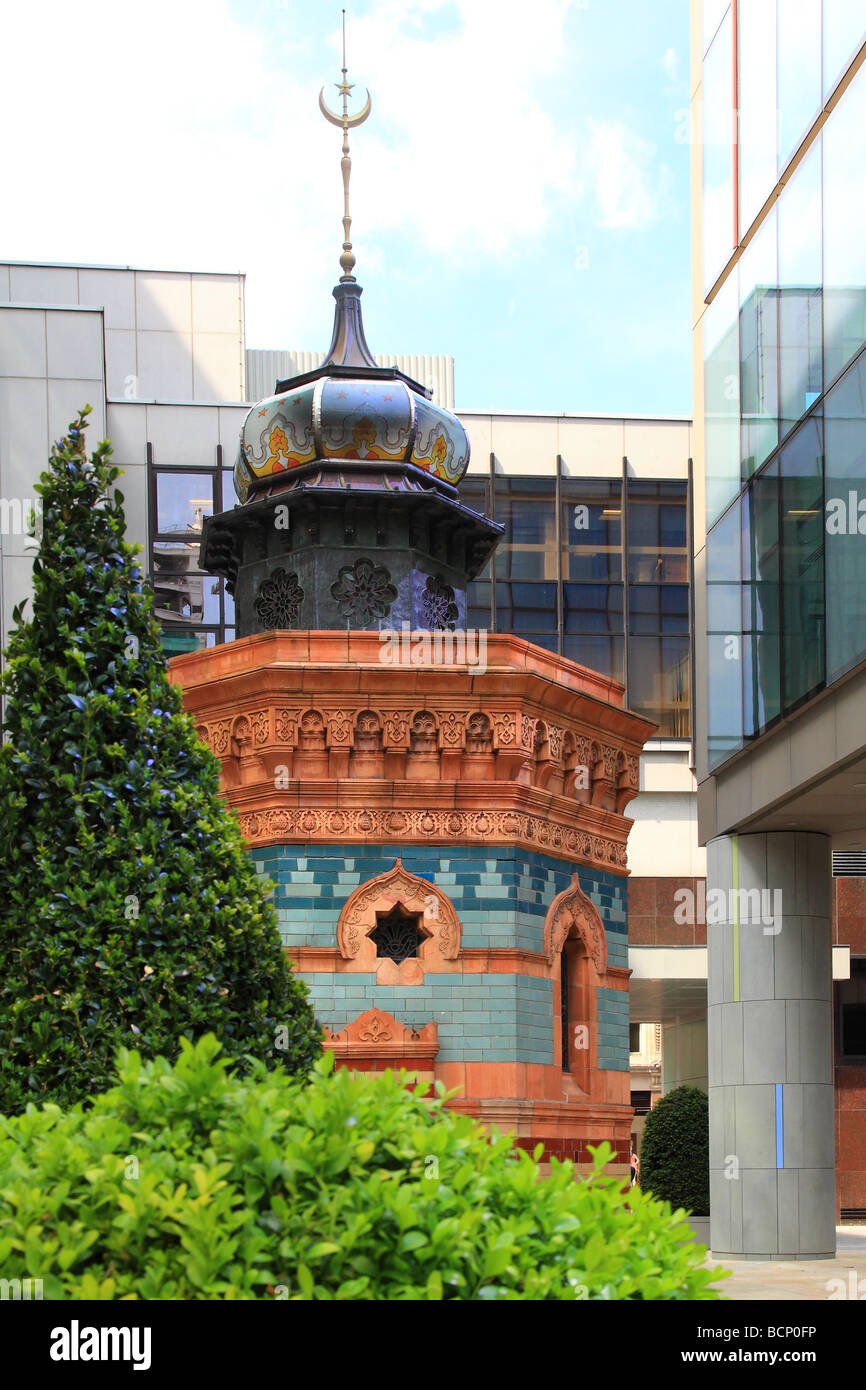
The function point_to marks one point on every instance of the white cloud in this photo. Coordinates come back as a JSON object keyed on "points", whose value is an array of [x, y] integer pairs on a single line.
{"points": [[182, 136], [629, 187], [671, 64], [463, 150]]}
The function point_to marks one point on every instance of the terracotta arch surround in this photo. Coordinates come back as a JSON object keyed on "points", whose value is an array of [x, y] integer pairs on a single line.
{"points": [[576, 949], [572, 913], [419, 897]]}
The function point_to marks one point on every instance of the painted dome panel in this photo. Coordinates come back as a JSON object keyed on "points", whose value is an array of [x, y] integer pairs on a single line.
{"points": [[278, 433], [441, 443], [365, 419], [242, 476]]}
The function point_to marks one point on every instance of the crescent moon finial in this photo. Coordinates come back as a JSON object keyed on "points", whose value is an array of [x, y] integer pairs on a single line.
{"points": [[346, 123]]}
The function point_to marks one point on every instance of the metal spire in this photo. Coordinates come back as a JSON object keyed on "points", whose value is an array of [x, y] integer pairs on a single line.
{"points": [[347, 259]]}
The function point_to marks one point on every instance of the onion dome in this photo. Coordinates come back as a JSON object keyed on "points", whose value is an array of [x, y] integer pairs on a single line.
{"points": [[348, 409]]}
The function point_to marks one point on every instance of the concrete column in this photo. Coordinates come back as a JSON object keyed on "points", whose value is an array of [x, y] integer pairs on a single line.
{"points": [[769, 1020]]}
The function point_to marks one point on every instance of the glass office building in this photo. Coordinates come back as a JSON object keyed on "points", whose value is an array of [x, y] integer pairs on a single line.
{"points": [[596, 569], [779, 292], [784, 372]]}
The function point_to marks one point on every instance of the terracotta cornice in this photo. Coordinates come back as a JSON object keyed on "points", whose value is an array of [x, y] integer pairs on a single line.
{"points": [[358, 649], [295, 663], [381, 795], [320, 742], [315, 826]]}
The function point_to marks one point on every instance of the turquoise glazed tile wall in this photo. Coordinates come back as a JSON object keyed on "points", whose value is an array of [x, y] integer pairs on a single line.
{"points": [[481, 1018], [502, 895], [612, 1015]]}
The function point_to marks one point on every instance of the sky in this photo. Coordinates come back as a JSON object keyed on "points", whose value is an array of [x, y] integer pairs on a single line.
{"points": [[520, 191]]}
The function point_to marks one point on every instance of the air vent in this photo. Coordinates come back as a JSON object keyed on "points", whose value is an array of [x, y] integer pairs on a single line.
{"points": [[857, 1214], [849, 863]]}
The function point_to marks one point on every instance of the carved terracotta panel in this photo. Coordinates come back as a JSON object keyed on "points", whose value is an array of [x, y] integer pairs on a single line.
{"points": [[437, 920]]}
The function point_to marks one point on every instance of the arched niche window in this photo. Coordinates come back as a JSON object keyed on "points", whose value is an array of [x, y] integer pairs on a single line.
{"points": [[576, 949]]}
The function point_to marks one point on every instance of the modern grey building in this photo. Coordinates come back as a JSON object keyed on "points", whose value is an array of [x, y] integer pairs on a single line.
{"points": [[779, 265]]}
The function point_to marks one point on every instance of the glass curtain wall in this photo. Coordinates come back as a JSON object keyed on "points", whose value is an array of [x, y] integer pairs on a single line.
{"points": [[785, 378], [658, 604], [615, 598], [801, 568]]}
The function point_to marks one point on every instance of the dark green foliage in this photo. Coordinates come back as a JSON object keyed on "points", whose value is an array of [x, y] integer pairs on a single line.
{"points": [[675, 1150], [191, 1183], [130, 912]]}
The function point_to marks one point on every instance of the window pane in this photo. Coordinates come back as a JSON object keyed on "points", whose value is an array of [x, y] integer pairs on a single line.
{"points": [[528, 548], [724, 640], [800, 291], [658, 682], [756, 78], [802, 563], [762, 699], [718, 162], [599, 653], [182, 593], [478, 605], [229, 605], [658, 608], [845, 489], [722, 398], [657, 534], [473, 493], [799, 73], [844, 32], [591, 530], [183, 500], [229, 496], [759, 336], [592, 607], [525, 608]]}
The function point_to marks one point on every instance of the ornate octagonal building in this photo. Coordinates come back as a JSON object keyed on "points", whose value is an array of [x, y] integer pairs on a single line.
{"points": [[442, 813]]}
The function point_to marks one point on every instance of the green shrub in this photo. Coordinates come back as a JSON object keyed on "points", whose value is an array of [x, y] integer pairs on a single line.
{"points": [[130, 912], [190, 1182], [675, 1150]]}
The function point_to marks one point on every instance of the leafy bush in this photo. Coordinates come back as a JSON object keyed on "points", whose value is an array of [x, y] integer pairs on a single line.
{"points": [[130, 912], [190, 1182], [675, 1150]]}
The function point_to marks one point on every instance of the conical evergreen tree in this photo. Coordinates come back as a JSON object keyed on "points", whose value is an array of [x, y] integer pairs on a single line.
{"points": [[130, 912]]}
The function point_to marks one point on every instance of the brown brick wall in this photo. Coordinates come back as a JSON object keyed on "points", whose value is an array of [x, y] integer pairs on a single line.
{"points": [[849, 925], [651, 908]]}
